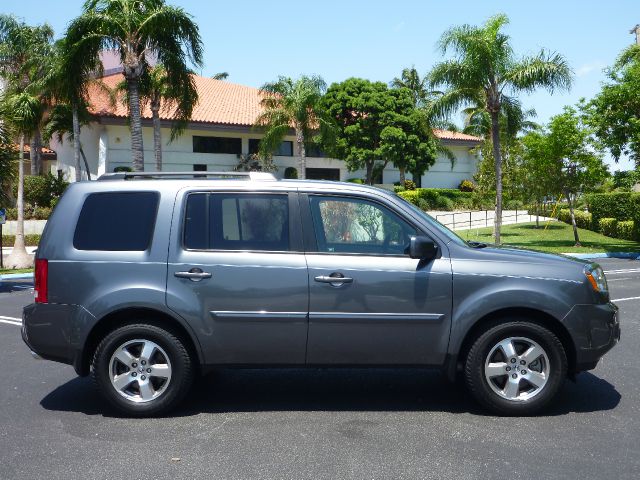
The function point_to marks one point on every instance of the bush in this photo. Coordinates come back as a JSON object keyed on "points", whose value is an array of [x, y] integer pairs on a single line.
{"points": [[122, 169], [409, 185], [618, 205], [608, 226], [466, 186], [514, 205], [291, 173], [31, 212], [625, 230], [40, 190], [356, 180], [444, 203], [398, 189], [29, 240], [583, 219]]}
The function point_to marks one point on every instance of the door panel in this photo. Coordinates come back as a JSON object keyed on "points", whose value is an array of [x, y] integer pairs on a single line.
{"points": [[253, 307], [393, 309]]}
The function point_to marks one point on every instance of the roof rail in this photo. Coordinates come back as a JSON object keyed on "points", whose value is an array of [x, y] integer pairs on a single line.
{"points": [[173, 175]]}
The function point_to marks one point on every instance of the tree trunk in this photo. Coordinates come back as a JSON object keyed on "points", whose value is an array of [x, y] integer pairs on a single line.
{"points": [[35, 152], [86, 164], [302, 174], [537, 214], [369, 165], [402, 176], [157, 135], [76, 143], [495, 138], [137, 148], [19, 258], [573, 218]]}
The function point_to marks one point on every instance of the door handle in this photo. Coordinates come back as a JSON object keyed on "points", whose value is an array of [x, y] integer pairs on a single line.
{"points": [[335, 279], [195, 274]]}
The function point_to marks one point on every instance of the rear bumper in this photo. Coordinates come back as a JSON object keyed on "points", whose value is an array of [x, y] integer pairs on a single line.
{"points": [[52, 331], [595, 330]]}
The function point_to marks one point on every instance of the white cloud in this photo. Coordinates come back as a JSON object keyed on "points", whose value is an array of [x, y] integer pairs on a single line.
{"points": [[398, 26], [587, 68]]}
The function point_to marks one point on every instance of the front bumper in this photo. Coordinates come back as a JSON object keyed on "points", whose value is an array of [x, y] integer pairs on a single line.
{"points": [[595, 330]]}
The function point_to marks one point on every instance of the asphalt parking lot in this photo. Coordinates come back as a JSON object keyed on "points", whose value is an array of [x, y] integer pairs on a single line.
{"points": [[293, 424]]}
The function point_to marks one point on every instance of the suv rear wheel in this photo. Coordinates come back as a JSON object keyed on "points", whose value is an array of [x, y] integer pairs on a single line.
{"points": [[516, 368], [142, 370]]}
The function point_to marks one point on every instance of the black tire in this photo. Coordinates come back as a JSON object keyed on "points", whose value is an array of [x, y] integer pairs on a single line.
{"points": [[169, 394], [479, 386]]}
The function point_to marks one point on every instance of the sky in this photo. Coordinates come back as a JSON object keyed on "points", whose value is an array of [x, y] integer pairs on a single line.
{"points": [[256, 41]]}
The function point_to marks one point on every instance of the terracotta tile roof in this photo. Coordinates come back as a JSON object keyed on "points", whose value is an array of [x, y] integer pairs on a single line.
{"points": [[449, 135], [27, 149], [221, 102]]}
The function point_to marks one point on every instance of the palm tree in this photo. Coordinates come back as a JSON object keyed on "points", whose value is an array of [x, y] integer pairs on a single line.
{"points": [[20, 112], [410, 78], [220, 76], [142, 32], [70, 76], [291, 104], [180, 97], [25, 54], [486, 72]]}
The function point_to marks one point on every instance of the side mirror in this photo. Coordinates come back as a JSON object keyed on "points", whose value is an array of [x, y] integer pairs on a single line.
{"points": [[422, 248]]}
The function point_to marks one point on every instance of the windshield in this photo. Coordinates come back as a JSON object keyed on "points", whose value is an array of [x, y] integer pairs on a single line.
{"points": [[448, 233]]}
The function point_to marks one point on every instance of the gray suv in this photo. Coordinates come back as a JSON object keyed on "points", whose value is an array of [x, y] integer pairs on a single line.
{"points": [[147, 280]]}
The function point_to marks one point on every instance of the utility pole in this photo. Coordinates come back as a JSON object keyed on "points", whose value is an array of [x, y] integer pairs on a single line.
{"points": [[636, 30]]}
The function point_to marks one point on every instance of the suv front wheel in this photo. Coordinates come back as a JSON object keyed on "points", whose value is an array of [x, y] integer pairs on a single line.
{"points": [[516, 368], [142, 369]]}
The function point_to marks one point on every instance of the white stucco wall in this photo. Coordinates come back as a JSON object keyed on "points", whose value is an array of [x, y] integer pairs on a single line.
{"points": [[109, 146]]}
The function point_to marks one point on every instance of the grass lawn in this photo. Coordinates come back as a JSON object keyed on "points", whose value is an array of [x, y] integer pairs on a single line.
{"points": [[20, 270], [557, 238]]}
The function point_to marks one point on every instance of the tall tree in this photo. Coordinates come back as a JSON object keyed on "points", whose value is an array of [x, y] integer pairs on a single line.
{"points": [[20, 111], [570, 160], [176, 98], [411, 80], [142, 32], [25, 54], [291, 104], [615, 111], [485, 71]]}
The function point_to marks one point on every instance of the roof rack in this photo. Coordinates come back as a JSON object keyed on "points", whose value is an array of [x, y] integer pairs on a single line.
{"points": [[170, 175]]}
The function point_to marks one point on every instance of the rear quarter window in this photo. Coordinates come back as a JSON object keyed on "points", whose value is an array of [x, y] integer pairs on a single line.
{"points": [[117, 221]]}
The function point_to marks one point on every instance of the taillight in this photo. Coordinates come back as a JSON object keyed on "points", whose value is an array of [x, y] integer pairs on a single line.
{"points": [[41, 278]]}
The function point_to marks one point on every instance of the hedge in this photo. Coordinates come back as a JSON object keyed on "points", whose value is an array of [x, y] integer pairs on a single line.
{"points": [[608, 226], [445, 199], [30, 213], [29, 240], [583, 219], [625, 230], [623, 206]]}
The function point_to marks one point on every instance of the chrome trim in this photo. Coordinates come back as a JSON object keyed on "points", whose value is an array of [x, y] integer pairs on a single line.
{"points": [[257, 315], [333, 317]]}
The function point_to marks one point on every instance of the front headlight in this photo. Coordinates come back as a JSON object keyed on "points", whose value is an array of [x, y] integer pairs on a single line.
{"points": [[597, 280]]}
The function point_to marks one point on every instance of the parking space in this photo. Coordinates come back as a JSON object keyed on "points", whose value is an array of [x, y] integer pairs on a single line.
{"points": [[316, 423]]}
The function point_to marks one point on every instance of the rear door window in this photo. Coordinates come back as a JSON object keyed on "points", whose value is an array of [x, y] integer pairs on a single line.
{"points": [[237, 222], [117, 221]]}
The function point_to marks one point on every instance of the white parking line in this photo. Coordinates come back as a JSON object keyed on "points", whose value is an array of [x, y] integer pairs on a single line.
{"points": [[625, 299], [11, 322], [623, 270]]}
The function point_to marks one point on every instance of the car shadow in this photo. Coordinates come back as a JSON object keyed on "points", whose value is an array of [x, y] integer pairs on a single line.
{"points": [[19, 285], [264, 390]]}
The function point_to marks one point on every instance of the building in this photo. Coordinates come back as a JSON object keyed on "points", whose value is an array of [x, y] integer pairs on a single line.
{"points": [[221, 129]]}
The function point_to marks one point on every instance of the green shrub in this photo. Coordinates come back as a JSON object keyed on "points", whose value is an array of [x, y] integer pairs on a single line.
{"points": [[514, 205], [409, 185], [466, 186], [122, 169], [625, 230], [411, 196], [42, 189], [356, 180], [444, 203], [424, 205], [583, 219], [291, 173], [29, 240], [607, 226], [31, 212], [398, 189], [618, 205]]}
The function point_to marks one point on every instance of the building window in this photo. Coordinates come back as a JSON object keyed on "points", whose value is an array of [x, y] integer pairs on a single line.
{"points": [[314, 150], [284, 150], [199, 167], [217, 145]]}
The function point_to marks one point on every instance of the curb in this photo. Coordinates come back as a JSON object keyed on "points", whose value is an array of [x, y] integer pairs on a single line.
{"points": [[625, 255], [16, 276]]}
